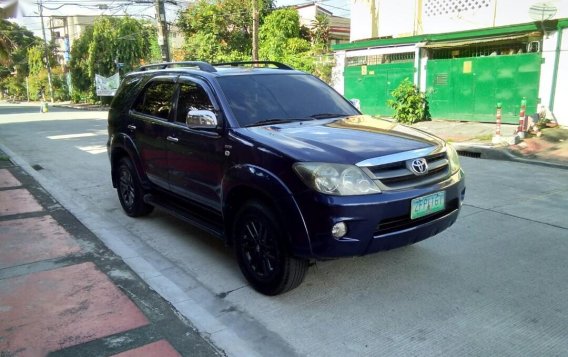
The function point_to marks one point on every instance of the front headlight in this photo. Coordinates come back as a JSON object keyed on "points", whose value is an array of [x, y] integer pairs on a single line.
{"points": [[453, 157], [336, 179]]}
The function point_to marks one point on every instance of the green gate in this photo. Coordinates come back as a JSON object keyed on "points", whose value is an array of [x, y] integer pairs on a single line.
{"points": [[469, 88], [373, 84]]}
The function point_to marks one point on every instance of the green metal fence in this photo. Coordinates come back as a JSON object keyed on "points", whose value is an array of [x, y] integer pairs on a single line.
{"points": [[469, 88], [373, 84]]}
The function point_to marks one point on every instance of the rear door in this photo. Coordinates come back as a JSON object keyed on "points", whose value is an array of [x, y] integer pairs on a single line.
{"points": [[149, 126], [196, 153]]}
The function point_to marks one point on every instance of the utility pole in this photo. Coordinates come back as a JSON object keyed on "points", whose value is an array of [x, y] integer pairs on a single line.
{"points": [[162, 29], [39, 4], [255, 25]]}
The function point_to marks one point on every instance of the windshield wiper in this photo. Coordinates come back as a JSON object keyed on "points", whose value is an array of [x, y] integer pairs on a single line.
{"points": [[275, 121], [328, 115]]}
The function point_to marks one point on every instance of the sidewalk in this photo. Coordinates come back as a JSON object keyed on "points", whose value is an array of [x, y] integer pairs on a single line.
{"points": [[475, 139], [63, 293]]}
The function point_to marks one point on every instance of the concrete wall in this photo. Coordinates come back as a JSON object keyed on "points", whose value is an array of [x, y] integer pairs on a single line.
{"points": [[560, 109], [379, 18], [364, 19], [337, 79], [546, 71], [307, 15], [396, 18]]}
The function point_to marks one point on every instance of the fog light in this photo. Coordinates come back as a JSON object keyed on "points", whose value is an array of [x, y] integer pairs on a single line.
{"points": [[339, 230]]}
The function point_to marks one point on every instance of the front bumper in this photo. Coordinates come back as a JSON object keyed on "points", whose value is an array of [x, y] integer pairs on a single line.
{"points": [[376, 222]]}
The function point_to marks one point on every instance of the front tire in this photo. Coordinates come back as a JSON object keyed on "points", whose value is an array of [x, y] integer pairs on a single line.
{"points": [[262, 252], [130, 191]]}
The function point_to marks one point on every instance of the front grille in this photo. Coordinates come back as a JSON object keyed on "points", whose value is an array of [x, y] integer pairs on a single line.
{"points": [[404, 222], [395, 175]]}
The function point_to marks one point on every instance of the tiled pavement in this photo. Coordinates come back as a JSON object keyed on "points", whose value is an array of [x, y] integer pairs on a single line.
{"points": [[63, 293]]}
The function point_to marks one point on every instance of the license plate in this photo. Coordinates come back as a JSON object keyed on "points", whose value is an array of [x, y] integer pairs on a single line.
{"points": [[425, 205]]}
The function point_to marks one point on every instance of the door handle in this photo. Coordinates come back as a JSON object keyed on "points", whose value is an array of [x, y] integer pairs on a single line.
{"points": [[132, 127], [172, 139]]}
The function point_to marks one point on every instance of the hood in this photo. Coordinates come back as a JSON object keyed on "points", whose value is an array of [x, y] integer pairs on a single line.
{"points": [[345, 140]]}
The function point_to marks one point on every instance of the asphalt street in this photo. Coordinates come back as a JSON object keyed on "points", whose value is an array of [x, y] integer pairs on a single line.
{"points": [[493, 284]]}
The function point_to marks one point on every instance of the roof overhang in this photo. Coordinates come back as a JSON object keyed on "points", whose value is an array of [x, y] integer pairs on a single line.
{"points": [[488, 40]]}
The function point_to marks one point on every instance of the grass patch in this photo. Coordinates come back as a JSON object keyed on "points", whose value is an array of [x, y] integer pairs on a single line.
{"points": [[3, 157], [484, 137], [554, 135]]}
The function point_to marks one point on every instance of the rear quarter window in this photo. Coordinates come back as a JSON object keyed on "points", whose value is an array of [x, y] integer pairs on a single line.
{"points": [[125, 93]]}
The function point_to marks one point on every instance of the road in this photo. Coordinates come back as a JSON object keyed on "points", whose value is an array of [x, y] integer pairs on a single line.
{"points": [[494, 284]]}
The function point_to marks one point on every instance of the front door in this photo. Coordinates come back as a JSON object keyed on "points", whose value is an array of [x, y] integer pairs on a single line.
{"points": [[149, 127], [196, 153]]}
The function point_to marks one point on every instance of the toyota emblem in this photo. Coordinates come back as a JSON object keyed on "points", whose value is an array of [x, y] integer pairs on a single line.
{"points": [[418, 167]]}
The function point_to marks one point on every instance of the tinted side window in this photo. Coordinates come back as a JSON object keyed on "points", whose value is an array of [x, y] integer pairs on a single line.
{"points": [[191, 97], [156, 99], [124, 91]]}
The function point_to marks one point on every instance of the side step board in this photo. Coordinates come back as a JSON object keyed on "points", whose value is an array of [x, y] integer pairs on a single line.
{"points": [[184, 214]]}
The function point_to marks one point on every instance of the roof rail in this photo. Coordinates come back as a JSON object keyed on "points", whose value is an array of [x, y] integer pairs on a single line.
{"points": [[204, 66], [235, 64]]}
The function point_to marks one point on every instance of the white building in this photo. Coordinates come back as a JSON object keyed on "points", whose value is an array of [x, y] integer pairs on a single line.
{"points": [[467, 55]]}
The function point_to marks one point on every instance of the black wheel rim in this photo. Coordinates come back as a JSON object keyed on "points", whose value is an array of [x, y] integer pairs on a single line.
{"points": [[259, 248], [126, 187]]}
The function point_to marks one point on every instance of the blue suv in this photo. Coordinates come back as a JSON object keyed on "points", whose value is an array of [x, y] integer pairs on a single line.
{"points": [[276, 163]]}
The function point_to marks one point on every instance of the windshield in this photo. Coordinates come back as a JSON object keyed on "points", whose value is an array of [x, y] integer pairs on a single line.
{"points": [[255, 99]]}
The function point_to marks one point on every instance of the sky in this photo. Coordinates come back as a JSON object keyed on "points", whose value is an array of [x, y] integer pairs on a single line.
{"points": [[29, 13]]}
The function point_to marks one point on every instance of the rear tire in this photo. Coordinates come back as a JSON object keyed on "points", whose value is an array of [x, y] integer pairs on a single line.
{"points": [[130, 191], [262, 251]]}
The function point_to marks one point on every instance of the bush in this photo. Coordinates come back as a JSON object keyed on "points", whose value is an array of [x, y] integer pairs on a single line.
{"points": [[409, 104]]}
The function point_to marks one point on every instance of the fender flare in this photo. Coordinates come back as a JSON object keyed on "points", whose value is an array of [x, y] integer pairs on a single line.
{"points": [[123, 143], [251, 178]]}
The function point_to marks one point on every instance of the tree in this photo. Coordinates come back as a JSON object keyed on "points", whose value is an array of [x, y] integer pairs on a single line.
{"points": [[219, 30], [320, 32], [14, 44], [14, 41], [280, 40], [109, 41], [79, 67]]}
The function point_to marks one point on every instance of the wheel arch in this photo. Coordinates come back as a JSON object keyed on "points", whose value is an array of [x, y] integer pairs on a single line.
{"points": [[122, 146], [247, 183]]}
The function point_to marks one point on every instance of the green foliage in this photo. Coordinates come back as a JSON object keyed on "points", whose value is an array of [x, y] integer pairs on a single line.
{"points": [[58, 81], [100, 47], [36, 59], [15, 87], [219, 30], [79, 67], [14, 44], [410, 105], [320, 32], [280, 40]]}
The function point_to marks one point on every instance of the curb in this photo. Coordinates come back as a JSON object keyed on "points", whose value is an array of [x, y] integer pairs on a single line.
{"points": [[501, 153], [94, 108]]}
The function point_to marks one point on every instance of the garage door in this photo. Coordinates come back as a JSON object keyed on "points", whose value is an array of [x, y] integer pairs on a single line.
{"points": [[373, 84], [469, 88]]}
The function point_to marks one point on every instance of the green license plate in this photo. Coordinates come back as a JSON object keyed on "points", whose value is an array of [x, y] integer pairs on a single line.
{"points": [[425, 205]]}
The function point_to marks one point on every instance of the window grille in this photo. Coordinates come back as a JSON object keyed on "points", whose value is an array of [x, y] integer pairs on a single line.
{"points": [[481, 51], [380, 59]]}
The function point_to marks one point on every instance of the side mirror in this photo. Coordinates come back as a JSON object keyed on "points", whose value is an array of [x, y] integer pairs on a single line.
{"points": [[356, 103], [202, 119]]}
